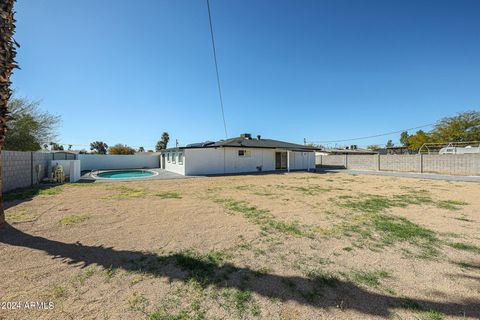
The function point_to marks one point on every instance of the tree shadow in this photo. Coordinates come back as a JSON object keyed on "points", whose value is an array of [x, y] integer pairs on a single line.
{"points": [[321, 292], [17, 196]]}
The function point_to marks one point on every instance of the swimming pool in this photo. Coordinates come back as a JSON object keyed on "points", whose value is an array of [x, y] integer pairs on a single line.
{"points": [[125, 174]]}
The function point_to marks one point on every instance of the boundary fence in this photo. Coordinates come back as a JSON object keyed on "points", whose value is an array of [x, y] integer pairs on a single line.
{"points": [[453, 164]]}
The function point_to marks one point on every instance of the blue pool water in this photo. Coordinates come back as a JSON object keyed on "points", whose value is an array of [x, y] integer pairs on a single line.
{"points": [[125, 174]]}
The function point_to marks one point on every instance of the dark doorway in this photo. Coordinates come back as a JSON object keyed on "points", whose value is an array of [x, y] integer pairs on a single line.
{"points": [[280, 160]]}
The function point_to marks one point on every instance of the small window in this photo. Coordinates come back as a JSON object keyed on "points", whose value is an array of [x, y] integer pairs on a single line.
{"points": [[244, 153], [180, 158], [174, 156]]}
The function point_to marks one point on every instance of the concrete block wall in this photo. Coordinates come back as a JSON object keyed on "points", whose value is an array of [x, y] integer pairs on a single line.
{"points": [[459, 164], [333, 160], [18, 168], [362, 162], [403, 163], [454, 164]]}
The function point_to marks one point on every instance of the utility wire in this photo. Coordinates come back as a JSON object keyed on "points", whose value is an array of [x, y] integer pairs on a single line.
{"points": [[216, 68], [375, 136]]}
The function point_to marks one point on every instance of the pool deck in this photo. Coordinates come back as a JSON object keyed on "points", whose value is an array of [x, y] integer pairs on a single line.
{"points": [[162, 175]]}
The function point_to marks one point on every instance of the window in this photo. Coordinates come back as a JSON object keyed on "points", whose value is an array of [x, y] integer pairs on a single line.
{"points": [[174, 156], [180, 158], [244, 153], [168, 157]]}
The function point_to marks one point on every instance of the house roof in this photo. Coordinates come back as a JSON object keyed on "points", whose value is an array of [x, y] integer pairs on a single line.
{"points": [[260, 143], [247, 142]]}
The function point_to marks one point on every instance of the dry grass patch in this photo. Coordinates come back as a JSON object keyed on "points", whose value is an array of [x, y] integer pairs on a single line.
{"points": [[168, 195], [263, 217], [74, 219], [26, 193], [370, 278], [465, 247], [21, 215], [127, 193]]}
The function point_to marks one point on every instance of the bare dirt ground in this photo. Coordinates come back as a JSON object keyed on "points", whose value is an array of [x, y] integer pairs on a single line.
{"points": [[279, 246]]}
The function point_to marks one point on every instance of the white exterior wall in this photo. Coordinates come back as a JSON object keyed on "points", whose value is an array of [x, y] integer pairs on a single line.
{"points": [[258, 157], [111, 161], [302, 160], [71, 168], [175, 167], [203, 161]]}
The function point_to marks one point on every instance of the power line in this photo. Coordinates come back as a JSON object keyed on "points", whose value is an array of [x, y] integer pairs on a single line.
{"points": [[375, 136], [216, 68]]}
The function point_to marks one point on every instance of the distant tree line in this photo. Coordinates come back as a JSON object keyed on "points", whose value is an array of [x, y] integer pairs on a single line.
{"points": [[100, 147], [463, 127]]}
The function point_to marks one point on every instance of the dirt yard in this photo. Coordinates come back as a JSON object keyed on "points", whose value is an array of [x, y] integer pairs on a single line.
{"points": [[279, 246]]}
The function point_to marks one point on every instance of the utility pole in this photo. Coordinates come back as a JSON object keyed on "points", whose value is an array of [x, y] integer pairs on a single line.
{"points": [[176, 143]]}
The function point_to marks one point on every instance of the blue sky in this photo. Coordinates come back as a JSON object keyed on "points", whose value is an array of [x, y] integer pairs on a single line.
{"points": [[125, 71]]}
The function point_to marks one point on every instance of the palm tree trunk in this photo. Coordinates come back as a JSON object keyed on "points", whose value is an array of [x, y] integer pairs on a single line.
{"points": [[7, 64]]}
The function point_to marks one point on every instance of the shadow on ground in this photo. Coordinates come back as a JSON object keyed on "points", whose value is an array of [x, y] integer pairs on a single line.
{"points": [[319, 293], [20, 195]]}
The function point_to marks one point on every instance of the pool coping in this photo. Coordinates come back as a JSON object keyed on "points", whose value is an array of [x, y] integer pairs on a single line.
{"points": [[160, 174], [94, 174]]}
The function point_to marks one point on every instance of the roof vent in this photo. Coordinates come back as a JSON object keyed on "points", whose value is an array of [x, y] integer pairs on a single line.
{"points": [[246, 136]]}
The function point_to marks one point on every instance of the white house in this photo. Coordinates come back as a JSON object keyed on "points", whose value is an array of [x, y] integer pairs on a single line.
{"points": [[238, 155]]}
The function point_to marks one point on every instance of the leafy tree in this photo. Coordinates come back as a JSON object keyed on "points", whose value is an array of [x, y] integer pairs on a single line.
{"points": [[7, 64], [416, 141], [149, 150], [389, 144], [141, 149], [163, 142], [20, 137], [373, 147], [463, 127], [99, 147], [29, 128], [404, 138], [56, 147], [121, 149]]}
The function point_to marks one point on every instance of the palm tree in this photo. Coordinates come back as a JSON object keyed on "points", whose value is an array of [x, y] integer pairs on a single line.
{"points": [[163, 142], [7, 64]]}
